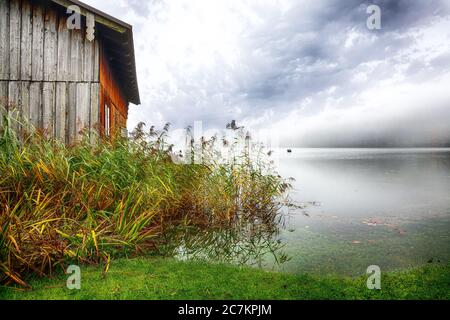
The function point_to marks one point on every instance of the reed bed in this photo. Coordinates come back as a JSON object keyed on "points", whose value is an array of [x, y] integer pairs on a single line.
{"points": [[93, 201]]}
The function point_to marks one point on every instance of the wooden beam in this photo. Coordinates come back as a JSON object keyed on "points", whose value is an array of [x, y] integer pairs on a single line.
{"points": [[98, 18], [14, 39], [38, 44], [26, 49], [51, 46], [4, 40]]}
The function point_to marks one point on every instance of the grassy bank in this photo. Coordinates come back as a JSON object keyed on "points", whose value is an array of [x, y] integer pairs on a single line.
{"points": [[157, 278]]}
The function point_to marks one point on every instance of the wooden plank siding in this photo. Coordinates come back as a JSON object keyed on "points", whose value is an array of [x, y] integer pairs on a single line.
{"points": [[4, 41], [51, 46], [50, 74], [37, 62], [14, 102], [63, 63], [15, 19], [25, 104], [48, 108], [61, 103], [26, 42], [111, 96], [36, 104], [3, 99], [94, 116]]}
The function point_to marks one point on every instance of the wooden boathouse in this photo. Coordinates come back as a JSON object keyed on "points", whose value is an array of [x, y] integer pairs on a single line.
{"points": [[65, 79]]}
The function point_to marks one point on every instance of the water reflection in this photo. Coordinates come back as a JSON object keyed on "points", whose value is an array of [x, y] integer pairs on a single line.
{"points": [[354, 183], [385, 206]]}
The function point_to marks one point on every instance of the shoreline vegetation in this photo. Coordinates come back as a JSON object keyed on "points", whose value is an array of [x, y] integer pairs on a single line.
{"points": [[156, 278], [124, 209], [100, 200]]}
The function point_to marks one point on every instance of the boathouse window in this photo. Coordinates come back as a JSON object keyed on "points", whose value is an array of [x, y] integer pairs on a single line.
{"points": [[107, 120]]}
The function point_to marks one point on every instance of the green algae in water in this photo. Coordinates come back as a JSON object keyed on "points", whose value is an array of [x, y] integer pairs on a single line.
{"points": [[349, 248]]}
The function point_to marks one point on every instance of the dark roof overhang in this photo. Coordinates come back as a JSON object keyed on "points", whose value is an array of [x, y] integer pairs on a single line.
{"points": [[117, 37]]}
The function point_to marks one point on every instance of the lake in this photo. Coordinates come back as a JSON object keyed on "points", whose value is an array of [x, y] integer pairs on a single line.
{"points": [[385, 207]]}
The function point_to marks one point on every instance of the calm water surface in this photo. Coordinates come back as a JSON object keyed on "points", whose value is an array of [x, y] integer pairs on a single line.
{"points": [[388, 207]]}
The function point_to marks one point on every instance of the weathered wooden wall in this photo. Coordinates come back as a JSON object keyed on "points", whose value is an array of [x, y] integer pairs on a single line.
{"points": [[112, 96], [48, 73]]}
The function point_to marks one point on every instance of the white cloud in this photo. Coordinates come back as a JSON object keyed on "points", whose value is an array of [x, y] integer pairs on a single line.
{"points": [[412, 113], [311, 69]]}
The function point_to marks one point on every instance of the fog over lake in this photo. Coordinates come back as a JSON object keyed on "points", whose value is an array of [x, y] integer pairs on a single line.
{"points": [[371, 206]]}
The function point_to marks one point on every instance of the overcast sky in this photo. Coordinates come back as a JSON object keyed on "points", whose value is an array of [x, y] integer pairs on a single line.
{"points": [[310, 70]]}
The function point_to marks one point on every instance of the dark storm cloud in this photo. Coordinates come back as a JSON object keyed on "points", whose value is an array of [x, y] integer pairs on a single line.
{"points": [[400, 15], [303, 64]]}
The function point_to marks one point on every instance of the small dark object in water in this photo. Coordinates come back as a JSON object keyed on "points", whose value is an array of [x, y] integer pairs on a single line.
{"points": [[430, 261], [289, 150]]}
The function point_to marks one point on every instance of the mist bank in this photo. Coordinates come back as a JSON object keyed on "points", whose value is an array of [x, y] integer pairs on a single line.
{"points": [[411, 137], [420, 121], [372, 142]]}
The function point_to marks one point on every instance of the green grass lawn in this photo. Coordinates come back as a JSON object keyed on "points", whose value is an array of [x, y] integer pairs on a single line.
{"points": [[157, 278]]}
